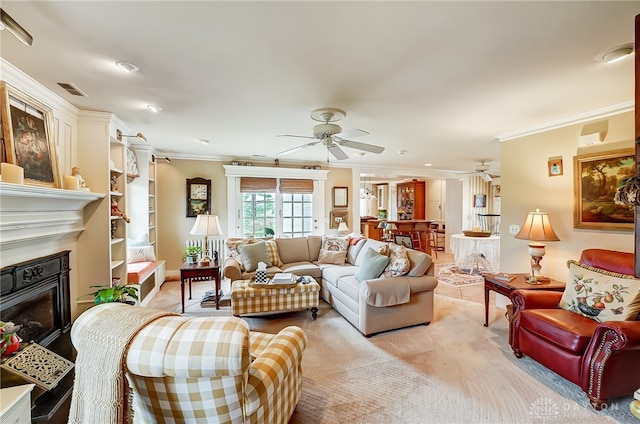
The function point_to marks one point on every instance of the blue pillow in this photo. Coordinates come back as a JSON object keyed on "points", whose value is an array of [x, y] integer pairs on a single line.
{"points": [[372, 265]]}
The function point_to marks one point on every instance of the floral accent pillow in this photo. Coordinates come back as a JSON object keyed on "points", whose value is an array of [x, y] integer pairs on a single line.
{"points": [[398, 263], [333, 250], [601, 295]]}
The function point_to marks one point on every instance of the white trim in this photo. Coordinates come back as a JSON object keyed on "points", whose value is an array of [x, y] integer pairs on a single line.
{"points": [[274, 172], [570, 120]]}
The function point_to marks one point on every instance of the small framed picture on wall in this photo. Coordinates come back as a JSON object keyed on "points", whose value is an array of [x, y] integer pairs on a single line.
{"points": [[555, 166], [479, 200]]}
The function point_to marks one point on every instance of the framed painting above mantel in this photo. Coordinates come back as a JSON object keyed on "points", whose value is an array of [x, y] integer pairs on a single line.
{"points": [[596, 177], [28, 139]]}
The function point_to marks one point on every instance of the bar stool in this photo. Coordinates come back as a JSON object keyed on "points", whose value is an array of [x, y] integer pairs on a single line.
{"points": [[416, 240], [432, 241]]}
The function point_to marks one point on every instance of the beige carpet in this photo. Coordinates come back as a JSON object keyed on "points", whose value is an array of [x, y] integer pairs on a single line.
{"points": [[452, 371]]}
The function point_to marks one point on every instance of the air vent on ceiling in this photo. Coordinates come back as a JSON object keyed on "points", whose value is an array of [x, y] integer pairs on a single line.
{"points": [[72, 89]]}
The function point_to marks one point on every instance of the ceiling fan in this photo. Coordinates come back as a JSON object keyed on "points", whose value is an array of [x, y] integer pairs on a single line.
{"points": [[332, 136], [482, 170]]}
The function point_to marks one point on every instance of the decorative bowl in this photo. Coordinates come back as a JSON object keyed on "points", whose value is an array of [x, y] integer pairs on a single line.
{"points": [[470, 233]]}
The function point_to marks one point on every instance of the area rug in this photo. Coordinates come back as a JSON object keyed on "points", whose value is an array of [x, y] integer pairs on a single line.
{"points": [[449, 274], [452, 371]]}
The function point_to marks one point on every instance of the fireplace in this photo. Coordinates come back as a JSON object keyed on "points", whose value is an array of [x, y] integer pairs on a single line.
{"points": [[35, 294]]}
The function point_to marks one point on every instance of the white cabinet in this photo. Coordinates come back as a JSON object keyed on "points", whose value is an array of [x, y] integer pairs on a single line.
{"points": [[101, 155], [15, 404]]}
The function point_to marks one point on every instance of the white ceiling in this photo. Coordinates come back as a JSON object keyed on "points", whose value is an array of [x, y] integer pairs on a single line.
{"points": [[441, 80]]}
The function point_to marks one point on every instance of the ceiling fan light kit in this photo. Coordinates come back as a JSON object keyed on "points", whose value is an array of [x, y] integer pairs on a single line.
{"points": [[332, 136]]}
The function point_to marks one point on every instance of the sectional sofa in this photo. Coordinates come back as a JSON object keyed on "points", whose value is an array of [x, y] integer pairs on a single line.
{"points": [[373, 304]]}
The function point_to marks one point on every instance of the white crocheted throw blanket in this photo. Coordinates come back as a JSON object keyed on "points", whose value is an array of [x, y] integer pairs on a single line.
{"points": [[99, 389]]}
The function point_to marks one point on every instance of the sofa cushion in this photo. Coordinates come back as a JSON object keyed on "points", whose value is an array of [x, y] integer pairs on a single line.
{"points": [[331, 274], [355, 246], [601, 295], [254, 253], [559, 327], [420, 263], [303, 268], [314, 243], [370, 243], [232, 248], [272, 250], [294, 249], [350, 287], [333, 250], [398, 263], [373, 264]]}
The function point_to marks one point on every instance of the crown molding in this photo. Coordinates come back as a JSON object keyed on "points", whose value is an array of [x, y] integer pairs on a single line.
{"points": [[571, 120]]}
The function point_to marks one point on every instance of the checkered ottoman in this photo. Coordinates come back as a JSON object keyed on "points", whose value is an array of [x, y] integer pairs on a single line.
{"points": [[249, 300]]}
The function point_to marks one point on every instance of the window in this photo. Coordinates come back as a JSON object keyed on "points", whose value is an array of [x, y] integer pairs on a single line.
{"points": [[258, 214], [261, 201], [297, 214]]}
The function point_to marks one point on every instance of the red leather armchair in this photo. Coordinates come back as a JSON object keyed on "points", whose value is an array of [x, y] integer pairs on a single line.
{"points": [[601, 358]]}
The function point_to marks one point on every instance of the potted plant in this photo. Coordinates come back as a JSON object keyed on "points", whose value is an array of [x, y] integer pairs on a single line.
{"points": [[191, 254], [116, 293]]}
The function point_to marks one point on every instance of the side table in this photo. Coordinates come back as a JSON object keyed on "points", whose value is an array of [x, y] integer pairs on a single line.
{"points": [[506, 287], [190, 271]]}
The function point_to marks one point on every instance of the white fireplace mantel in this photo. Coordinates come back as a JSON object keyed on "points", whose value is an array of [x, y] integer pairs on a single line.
{"points": [[32, 215]]}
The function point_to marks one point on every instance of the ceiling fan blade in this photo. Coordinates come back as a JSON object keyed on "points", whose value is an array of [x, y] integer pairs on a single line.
{"points": [[351, 133], [361, 146], [295, 149], [337, 152], [297, 136]]}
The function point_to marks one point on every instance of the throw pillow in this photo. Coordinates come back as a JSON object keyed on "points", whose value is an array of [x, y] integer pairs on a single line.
{"points": [[141, 254], [398, 263], [272, 249], [601, 295], [385, 250], [372, 265], [252, 254], [333, 250], [232, 248]]}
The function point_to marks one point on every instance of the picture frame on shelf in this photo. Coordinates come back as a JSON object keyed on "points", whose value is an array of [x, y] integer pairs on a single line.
{"points": [[27, 130], [596, 177], [554, 166], [336, 217], [340, 197]]}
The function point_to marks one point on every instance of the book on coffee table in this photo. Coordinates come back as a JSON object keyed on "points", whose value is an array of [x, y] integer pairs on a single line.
{"points": [[504, 276], [282, 278]]}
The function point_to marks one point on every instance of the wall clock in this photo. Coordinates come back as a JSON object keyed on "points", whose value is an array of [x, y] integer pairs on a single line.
{"points": [[198, 197]]}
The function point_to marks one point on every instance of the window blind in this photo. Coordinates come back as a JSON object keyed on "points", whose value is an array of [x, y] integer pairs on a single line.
{"points": [[257, 185], [288, 185]]}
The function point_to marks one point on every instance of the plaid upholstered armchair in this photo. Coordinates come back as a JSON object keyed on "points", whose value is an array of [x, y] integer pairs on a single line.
{"points": [[209, 370]]}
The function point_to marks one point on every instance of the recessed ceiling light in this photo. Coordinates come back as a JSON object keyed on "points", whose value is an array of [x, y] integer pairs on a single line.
{"points": [[127, 67], [428, 164], [203, 141], [154, 108], [616, 54]]}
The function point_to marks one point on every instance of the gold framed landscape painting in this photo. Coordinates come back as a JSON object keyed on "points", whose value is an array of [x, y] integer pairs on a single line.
{"points": [[596, 178], [28, 139]]}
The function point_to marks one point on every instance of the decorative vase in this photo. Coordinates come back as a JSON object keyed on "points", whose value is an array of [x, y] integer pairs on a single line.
{"points": [[192, 259]]}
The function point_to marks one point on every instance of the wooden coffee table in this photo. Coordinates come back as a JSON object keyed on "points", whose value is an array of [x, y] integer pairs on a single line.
{"points": [[506, 287]]}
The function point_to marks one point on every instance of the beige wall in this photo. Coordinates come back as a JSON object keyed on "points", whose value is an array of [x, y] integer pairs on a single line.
{"points": [[527, 186], [174, 226], [340, 177]]}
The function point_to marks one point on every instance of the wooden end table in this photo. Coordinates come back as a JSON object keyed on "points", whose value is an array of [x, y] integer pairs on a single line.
{"points": [[506, 287], [190, 271]]}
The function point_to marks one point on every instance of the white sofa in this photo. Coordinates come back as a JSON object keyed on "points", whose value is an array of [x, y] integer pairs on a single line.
{"points": [[373, 305]]}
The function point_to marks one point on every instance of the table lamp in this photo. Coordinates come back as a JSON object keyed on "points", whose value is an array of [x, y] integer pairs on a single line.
{"points": [[207, 225], [390, 228], [537, 229], [342, 228]]}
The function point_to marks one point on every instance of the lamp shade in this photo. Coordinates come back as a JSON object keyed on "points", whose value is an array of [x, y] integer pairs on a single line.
{"points": [[537, 228], [382, 224], [391, 226], [206, 225], [342, 228]]}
